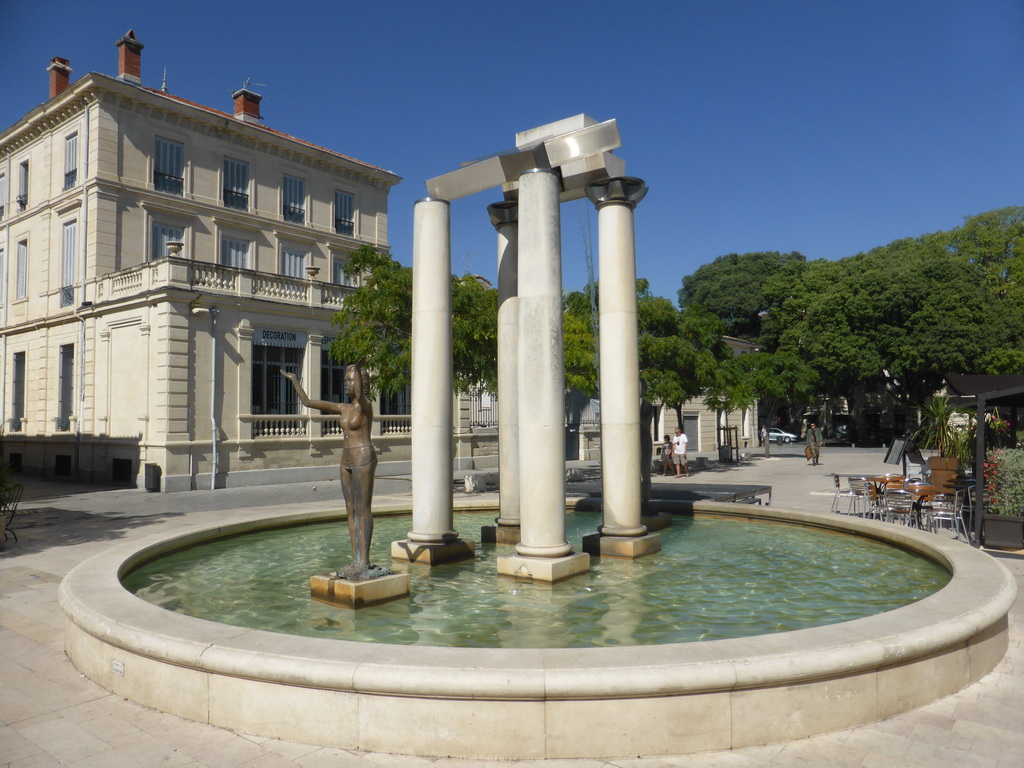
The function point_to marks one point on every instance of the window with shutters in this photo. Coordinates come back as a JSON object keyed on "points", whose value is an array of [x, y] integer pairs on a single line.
{"points": [[293, 262], [162, 235], [70, 161], [236, 184], [169, 166], [293, 195], [234, 253], [67, 268], [344, 213], [21, 271]]}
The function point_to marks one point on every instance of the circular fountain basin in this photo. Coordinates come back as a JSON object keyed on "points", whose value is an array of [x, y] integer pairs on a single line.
{"points": [[523, 703]]}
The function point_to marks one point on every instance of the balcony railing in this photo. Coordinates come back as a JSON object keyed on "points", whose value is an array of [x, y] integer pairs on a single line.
{"points": [[293, 214], [164, 182], [344, 227], [233, 199], [67, 295], [70, 179], [217, 279]]}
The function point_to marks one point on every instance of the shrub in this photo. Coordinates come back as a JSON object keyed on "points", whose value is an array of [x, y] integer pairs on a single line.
{"points": [[1004, 481]]}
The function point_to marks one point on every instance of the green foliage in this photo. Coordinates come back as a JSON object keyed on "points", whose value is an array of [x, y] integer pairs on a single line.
{"points": [[904, 315], [375, 325], [946, 429], [1004, 481], [732, 287]]}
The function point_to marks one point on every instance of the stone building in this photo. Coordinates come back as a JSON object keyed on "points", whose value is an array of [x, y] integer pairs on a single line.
{"points": [[161, 261]]}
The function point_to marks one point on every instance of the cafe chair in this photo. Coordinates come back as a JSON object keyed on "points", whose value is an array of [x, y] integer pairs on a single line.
{"points": [[899, 506]]}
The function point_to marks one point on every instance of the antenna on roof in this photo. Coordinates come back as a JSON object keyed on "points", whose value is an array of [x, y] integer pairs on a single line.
{"points": [[248, 82], [163, 87]]}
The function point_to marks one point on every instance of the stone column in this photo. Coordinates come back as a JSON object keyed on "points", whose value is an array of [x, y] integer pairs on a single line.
{"points": [[622, 534], [543, 553], [505, 218], [432, 538]]}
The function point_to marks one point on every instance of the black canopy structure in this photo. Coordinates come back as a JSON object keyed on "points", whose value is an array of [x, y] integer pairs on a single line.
{"points": [[987, 392]]}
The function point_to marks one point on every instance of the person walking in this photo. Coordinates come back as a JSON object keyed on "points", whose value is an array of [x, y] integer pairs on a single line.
{"points": [[814, 443], [679, 443], [666, 456]]}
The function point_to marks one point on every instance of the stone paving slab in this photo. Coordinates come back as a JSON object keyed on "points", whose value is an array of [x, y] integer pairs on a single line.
{"points": [[50, 715]]}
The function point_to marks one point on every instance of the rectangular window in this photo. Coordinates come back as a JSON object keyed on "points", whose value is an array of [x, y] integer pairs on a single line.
{"points": [[236, 184], [21, 271], [396, 403], [344, 213], [332, 377], [67, 269], [66, 395], [272, 393], [71, 161], [338, 276], [18, 392], [234, 253], [169, 166], [3, 195], [162, 235], [293, 263], [23, 186], [294, 200]]}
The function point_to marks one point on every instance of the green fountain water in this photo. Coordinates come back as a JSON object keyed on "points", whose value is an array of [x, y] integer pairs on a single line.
{"points": [[714, 578]]}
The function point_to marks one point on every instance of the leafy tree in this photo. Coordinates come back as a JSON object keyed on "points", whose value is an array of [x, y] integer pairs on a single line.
{"points": [[375, 324], [731, 287], [993, 243]]}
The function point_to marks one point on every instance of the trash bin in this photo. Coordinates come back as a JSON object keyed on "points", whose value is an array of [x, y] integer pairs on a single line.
{"points": [[724, 453], [152, 478]]}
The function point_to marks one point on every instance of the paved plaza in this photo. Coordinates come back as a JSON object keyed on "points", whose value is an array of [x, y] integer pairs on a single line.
{"points": [[50, 715]]}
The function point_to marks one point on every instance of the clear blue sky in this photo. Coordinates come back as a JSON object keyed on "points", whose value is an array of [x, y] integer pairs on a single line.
{"points": [[820, 126]]}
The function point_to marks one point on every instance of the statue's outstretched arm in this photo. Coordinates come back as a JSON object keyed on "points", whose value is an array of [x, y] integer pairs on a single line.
{"points": [[321, 405]]}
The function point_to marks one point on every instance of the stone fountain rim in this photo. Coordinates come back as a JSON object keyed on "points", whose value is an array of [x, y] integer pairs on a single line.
{"points": [[978, 597]]}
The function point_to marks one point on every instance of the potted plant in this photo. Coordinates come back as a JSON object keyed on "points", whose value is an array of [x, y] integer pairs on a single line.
{"points": [[1003, 522], [949, 431]]}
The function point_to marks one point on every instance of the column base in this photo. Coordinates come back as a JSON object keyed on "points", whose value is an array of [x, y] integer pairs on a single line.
{"points": [[657, 522], [630, 547], [501, 534], [543, 570], [358, 593], [432, 554]]}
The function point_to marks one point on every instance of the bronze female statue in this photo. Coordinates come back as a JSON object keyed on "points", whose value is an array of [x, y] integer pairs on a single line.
{"points": [[358, 464]]}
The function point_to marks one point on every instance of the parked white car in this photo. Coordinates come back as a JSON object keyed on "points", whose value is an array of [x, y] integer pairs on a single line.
{"points": [[781, 437]]}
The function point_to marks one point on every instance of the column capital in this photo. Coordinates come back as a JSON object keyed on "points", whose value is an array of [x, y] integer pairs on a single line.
{"points": [[505, 212], [432, 200], [622, 190]]}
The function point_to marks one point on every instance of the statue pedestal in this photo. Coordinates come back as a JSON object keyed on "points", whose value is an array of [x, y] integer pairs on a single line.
{"points": [[358, 593], [545, 570], [657, 522], [630, 547], [432, 554], [501, 534]]}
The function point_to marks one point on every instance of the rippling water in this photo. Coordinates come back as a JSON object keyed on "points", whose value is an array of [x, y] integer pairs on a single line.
{"points": [[715, 578]]}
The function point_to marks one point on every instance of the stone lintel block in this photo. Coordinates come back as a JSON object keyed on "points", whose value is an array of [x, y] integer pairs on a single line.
{"points": [[501, 534], [657, 522], [630, 547], [432, 554], [543, 570], [358, 593]]}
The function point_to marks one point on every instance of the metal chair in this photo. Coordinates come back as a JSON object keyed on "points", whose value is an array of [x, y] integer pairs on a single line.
{"points": [[8, 506], [941, 510], [899, 506], [866, 502], [849, 493]]}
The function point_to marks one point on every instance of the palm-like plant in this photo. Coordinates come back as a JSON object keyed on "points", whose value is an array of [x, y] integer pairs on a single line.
{"points": [[946, 429]]}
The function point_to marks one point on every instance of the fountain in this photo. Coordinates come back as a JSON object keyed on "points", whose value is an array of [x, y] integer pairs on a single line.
{"points": [[536, 702]]}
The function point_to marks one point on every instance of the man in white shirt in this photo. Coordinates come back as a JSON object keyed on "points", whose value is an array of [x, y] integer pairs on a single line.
{"points": [[679, 452]]}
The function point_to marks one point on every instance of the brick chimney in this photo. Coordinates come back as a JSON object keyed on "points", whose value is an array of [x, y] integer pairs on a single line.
{"points": [[129, 58], [60, 75], [247, 106]]}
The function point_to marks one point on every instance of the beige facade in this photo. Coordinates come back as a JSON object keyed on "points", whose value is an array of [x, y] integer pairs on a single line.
{"points": [[125, 355]]}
